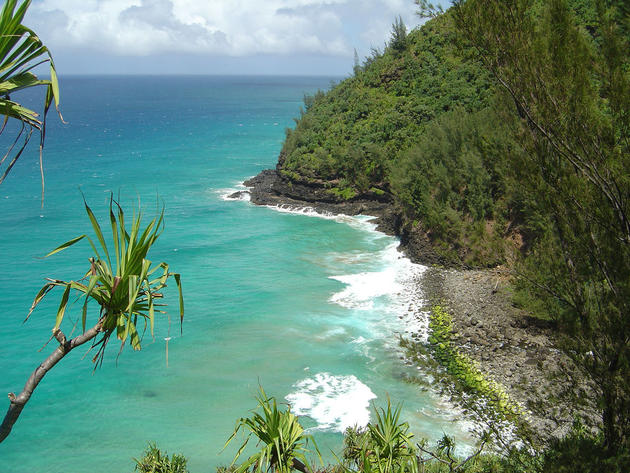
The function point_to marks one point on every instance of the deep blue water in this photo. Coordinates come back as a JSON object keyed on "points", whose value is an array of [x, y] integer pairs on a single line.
{"points": [[308, 307]]}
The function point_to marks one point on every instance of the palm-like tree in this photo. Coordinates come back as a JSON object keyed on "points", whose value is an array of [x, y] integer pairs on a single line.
{"points": [[389, 447], [123, 284], [21, 51], [283, 445]]}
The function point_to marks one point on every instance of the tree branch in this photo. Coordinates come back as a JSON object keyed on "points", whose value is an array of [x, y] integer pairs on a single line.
{"points": [[65, 346]]}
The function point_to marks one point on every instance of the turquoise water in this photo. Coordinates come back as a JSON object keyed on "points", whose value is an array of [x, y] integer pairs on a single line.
{"points": [[308, 307]]}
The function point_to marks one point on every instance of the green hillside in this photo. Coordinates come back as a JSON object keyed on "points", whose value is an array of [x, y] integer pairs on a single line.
{"points": [[417, 122]]}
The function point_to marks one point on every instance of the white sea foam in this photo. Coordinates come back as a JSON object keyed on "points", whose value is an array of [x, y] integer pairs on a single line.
{"points": [[363, 222], [359, 340], [363, 288], [362, 346], [333, 332], [306, 211], [396, 280], [395, 285], [334, 402], [226, 194]]}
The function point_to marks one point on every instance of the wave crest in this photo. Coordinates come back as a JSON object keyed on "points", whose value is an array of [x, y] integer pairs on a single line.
{"points": [[334, 402]]}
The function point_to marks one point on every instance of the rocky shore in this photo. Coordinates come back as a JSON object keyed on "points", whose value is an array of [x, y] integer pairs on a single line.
{"points": [[270, 188], [511, 347]]}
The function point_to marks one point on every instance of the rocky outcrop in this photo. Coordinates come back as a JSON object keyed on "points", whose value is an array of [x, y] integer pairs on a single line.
{"points": [[271, 188]]}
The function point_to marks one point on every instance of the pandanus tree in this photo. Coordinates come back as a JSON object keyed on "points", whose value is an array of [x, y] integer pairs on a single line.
{"points": [[21, 51], [283, 444], [121, 287]]}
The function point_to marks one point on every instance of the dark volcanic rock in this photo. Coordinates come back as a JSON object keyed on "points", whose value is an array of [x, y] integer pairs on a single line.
{"points": [[238, 195], [270, 188]]}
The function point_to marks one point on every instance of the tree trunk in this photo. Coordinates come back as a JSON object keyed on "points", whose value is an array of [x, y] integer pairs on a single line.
{"points": [[616, 419], [299, 466], [18, 402]]}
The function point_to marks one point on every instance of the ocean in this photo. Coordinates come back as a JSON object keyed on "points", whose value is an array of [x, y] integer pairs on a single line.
{"points": [[310, 307]]}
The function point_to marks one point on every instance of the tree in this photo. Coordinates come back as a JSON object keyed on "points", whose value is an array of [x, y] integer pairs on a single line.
{"points": [[125, 295], [356, 68], [20, 52], [398, 42], [284, 444], [570, 84], [426, 9]]}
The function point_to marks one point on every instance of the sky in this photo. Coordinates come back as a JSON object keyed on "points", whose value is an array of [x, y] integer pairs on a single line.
{"points": [[298, 37]]}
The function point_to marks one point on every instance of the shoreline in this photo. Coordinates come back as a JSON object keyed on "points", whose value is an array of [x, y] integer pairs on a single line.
{"points": [[512, 348], [271, 189]]}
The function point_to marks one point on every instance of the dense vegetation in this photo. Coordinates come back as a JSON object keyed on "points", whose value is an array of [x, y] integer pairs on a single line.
{"points": [[417, 122], [568, 75]]}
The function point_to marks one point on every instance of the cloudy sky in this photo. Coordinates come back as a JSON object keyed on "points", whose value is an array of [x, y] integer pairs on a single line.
{"points": [[214, 36]]}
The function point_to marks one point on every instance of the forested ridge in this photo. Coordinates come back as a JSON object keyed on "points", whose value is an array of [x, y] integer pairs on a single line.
{"points": [[415, 122]]}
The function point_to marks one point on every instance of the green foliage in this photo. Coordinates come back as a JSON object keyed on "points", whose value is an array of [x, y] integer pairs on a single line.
{"points": [[156, 461], [343, 193], [465, 369], [125, 293], [566, 67], [280, 435], [452, 181], [389, 443], [20, 52], [384, 446], [354, 439], [582, 452], [427, 9], [398, 42], [374, 130]]}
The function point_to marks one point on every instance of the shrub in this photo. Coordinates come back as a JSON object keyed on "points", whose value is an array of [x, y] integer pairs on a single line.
{"points": [[156, 461]]}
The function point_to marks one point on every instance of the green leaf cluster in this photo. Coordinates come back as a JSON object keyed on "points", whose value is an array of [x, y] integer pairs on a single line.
{"points": [[155, 460], [385, 446], [123, 282], [21, 51], [282, 438]]}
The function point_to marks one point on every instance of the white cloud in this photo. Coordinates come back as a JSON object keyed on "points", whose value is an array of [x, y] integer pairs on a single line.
{"points": [[218, 27]]}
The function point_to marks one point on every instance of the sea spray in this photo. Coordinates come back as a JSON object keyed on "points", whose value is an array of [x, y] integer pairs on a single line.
{"points": [[393, 290], [334, 402]]}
